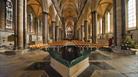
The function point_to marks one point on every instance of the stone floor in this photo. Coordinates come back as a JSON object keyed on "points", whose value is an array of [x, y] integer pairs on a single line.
{"points": [[36, 64]]}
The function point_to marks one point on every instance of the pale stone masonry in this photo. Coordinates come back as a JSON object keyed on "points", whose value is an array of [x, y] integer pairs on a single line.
{"points": [[119, 21], [20, 23]]}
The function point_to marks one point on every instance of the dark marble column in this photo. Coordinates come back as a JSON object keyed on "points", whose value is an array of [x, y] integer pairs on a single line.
{"points": [[76, 35], [85, 30], [53, 30], [15, 24], [45, 27], [63, 28], [37, 29], [119, 21], [60, 34], [79, 34], [94, 28], [89, 32], [30, 27], [56, 33], [25, 24], [123, 10], [103, 26], [115, 20], [82, 31]]}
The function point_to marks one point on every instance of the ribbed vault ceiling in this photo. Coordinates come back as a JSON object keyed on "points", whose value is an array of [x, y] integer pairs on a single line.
{"points": [[69, 9], [36, 6], [104, 5]]}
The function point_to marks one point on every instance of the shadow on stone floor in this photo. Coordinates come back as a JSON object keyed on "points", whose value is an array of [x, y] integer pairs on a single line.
{"points": [[95, 66], [98, 56], [87, 73], [43, 66], [8, 53]]}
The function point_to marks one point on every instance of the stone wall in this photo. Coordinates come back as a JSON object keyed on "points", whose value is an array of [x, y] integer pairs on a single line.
{"points": [[2, 14], [135, 35], [4, 38]]}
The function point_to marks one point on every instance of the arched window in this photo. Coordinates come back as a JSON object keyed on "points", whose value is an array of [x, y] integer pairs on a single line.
{"points": [[107, 20], [9, 14], [109, 26], [131, 14], [101, 25]]}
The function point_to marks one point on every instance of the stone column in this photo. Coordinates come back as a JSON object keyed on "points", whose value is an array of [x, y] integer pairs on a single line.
{"points": [[85, 30], [20, 24], [103, 26], [79, 34], [63, 28], [37, 29], [59, 34], [123, 13], [89, 32], [76, 35], [53, 30], [45, 27], [25, 24], [56, 33], [115, 20], [94, 24], [82, 32], [119, 21], [15, 24], [30, 27], [62, 33]]}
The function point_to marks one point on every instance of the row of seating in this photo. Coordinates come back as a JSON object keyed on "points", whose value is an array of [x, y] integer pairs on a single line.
{"points": [[78, 43]]}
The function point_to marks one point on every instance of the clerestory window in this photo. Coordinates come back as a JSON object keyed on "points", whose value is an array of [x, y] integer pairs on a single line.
{"points": [[131, 14]]}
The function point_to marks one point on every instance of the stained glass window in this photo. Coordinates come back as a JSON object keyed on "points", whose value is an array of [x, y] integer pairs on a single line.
{"points": [[9, 14]]}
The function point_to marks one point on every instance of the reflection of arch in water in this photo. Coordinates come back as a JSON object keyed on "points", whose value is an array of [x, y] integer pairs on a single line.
{"points": [[69, 32], [9, 14], [70, 52]]}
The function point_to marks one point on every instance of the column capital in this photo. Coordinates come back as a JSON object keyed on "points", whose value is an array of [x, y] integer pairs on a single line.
{"points": [[57, 26], [82, 25], [53, 21], [44, 12], [94, 11], [86, 20]]}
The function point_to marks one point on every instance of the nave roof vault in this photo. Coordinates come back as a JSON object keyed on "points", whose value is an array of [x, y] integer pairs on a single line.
{"points": [[70, 8]]}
